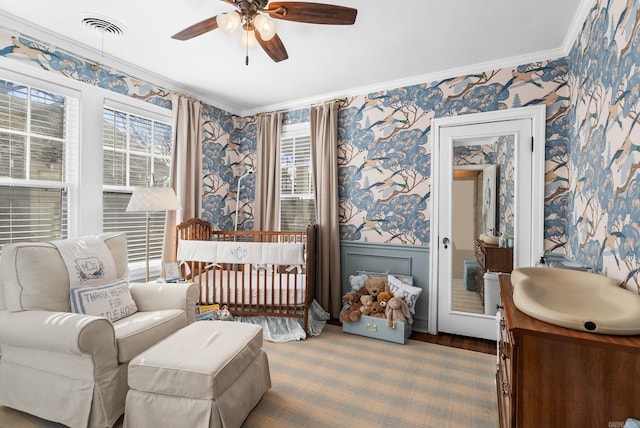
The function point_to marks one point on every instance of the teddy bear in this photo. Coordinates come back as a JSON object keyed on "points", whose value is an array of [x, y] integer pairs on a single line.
{"points": [[367, 301], [377, 310], [357, 282], [397, 310], [375, 286], [384, 297], [351, 308]]}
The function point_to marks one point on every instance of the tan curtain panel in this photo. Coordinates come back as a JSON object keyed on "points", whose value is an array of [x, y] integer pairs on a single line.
{"points": [[186, 167], [266, 208], [324, 157]]}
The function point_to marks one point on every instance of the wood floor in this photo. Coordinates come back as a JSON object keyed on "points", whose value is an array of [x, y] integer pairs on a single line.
{"points": [[452, 340]]}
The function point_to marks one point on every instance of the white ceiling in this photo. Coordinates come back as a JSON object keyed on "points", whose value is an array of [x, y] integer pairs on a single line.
{"points": [[393, 43]]}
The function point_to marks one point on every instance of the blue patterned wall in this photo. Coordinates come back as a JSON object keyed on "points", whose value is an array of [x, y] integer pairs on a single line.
{"points": [[34, 52], [385, 150], [603, 227]]}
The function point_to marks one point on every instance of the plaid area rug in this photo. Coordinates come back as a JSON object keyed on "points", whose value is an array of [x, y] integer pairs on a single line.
{"points": [[342, 380]]}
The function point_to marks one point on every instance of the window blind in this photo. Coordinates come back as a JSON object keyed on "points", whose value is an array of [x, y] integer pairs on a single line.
{"points": [[136, 150], [38, 156], [116, 219], [297, 204]]}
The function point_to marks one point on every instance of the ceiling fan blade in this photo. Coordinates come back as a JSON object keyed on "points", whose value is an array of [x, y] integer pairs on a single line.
{"points": [[201, 27], [273, 47], [313, 13]]}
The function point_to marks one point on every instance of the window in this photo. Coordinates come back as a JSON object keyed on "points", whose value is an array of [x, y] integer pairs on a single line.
{"points": [[38, 147], [297, 204], [137, 150]]}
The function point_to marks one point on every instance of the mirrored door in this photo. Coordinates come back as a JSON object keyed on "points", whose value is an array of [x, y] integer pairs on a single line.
{"points": [[484, 188]]}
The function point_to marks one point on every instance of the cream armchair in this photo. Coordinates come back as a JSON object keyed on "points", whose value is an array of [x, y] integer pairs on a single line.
{"points": [[67, 367]]}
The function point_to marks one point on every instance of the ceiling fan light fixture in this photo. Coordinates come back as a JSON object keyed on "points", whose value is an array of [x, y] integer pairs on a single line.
{"points": [[228, 22], [248, 40], [265, 26]]}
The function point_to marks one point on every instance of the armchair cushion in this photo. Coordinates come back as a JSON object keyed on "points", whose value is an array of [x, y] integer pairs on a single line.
{"points": [[139, 331], [25, 268], [36, 278], [112, 301]]}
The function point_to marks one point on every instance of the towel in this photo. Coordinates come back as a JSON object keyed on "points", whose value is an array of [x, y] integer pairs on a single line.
{"points": [[89, 261]]}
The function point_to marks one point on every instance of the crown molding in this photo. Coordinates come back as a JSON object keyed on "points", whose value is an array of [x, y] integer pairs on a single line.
{"points": [[19, 25], [576, 25], [414, 80]]}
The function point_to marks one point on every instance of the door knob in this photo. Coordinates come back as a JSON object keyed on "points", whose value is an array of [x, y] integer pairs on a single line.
{"points": [[445, 242]]}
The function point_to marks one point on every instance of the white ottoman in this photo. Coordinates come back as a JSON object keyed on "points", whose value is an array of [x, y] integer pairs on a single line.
{"points": [[209, 374]]}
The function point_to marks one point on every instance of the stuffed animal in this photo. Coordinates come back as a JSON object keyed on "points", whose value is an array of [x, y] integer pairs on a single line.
{"points": [[357, 282], [367, 301], [384, 297], [397, 310], [351, 309], [375, 286], [377, 310], [225, 315]]}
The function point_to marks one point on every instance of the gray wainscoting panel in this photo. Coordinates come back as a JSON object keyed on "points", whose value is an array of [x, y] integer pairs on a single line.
{"points": [[410, 260]]}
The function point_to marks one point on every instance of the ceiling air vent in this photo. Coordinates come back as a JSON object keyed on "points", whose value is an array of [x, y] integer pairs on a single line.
{"points": [[103, 24]]}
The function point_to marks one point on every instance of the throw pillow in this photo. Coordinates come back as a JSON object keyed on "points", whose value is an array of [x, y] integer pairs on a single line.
{"points": [[409, 292], [112, 301]]}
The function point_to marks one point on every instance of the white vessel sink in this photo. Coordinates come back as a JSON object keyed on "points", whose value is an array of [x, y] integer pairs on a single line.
{"points": [[577, 300]]}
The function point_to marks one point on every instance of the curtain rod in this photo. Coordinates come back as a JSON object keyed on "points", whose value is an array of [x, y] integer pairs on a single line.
{"points": [[335, 100]]}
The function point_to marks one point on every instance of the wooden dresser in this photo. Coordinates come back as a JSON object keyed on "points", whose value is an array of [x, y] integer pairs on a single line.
{"points": [[491, 258], [551, 376]]}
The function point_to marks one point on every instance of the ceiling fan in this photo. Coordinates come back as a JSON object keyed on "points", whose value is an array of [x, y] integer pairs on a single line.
{"points": [[252, 14]]}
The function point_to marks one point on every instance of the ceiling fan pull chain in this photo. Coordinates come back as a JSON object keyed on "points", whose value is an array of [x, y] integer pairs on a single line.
{"points": [[246, 58]]}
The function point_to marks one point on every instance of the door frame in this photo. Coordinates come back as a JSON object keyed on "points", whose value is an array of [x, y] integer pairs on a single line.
{"points": [[537, 115]]}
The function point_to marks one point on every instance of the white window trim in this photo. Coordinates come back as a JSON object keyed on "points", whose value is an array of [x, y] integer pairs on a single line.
{"points": [[72, 140]]}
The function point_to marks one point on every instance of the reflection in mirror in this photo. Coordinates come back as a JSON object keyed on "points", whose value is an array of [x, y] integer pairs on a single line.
{"points": [[482, 210]]}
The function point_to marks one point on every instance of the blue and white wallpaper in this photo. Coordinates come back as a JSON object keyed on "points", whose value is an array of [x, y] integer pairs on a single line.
{"points": [[385, 152], [603, 204], [592, 194]]}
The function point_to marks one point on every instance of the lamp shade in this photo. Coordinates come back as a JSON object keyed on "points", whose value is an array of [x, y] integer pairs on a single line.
{"points": [[265, 26], [228, 22], [153, 199], [248, 40]]}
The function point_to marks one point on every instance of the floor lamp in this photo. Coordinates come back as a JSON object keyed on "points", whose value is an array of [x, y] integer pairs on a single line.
{"points": [[150, 199]]}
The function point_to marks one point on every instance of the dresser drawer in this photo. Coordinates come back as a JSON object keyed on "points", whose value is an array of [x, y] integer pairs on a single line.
{"points": [[504, 399]]}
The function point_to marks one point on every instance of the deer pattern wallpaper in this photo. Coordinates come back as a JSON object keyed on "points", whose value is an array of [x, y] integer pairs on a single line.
{"points": [[592, 213], [385, 148], [603, 204]]}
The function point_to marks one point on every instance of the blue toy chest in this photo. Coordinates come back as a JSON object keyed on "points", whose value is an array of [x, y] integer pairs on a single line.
{"points": [[377, 328]]}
